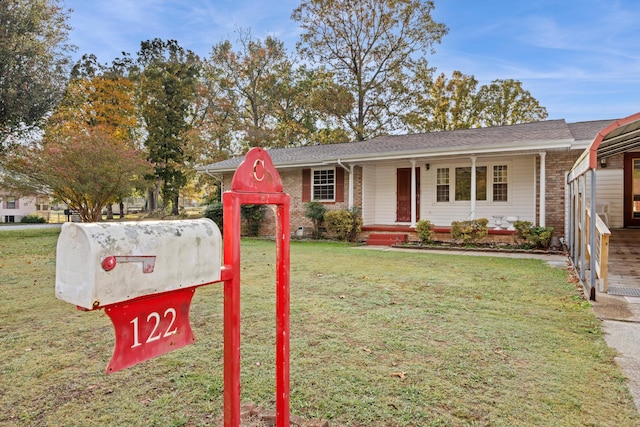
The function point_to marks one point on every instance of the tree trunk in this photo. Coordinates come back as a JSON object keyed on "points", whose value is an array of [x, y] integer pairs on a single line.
{"points": [[121, 209], [109, 211], [175, 210]]}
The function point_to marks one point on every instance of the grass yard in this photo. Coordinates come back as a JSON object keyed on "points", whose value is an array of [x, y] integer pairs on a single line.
{"points": [[378, 339]]}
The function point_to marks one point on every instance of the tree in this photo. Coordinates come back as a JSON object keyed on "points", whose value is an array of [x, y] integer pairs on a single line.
{"points": [[506, 102], [457, 103], [168, 79], [369, 45], [249, 77], [443, 104], [85, 168], [97, 96], [33, 63]]}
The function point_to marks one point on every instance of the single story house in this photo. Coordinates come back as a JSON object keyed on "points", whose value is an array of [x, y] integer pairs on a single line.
{"points": [[504, 174]]}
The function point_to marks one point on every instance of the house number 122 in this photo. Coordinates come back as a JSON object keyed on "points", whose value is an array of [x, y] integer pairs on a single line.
{"points": [[156, 333]]}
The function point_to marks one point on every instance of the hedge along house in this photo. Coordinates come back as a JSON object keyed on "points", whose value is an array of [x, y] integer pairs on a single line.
{"points": [[504, 174]]}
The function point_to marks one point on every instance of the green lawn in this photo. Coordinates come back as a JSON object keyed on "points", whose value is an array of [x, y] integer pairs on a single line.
{"points": [[377, 339]]}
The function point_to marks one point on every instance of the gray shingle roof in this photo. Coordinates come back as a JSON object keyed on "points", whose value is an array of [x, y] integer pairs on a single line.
{"points": [[525, 136]]}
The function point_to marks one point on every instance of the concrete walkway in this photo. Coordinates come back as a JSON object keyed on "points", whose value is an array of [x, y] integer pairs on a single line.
{"points": [[621, 323], [620, 316]]}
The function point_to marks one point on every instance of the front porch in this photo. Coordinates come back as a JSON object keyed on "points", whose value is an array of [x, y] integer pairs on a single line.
{"points": [[380, 234]]}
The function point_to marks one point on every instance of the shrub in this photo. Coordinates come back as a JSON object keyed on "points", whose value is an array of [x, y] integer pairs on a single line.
{"points": [[252, 215], [33, 219], [424, 228], [315, 211], [532, 237], [214, 212], [344, 224], [469, 232]]}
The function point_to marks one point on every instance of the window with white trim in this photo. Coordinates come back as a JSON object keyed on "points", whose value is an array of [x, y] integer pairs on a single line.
{"points": [[10, 203], [463, 183], [500, 183], [442, 185], [323, 184]]}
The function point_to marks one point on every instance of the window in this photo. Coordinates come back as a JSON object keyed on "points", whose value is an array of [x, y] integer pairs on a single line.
{"points": [[500, 183], [442, 185], [463, 183], [324, 184], [42, 203], [10, 203]]}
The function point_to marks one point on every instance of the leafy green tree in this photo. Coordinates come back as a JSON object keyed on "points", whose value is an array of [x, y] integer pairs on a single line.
{"points": [[167, 81], [249, 77], [506, 102], [269, 100], [34, 63], [368, 45], [443, 104]]}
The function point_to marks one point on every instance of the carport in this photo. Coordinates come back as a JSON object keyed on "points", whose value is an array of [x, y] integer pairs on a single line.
{"points": [[587, 234]]}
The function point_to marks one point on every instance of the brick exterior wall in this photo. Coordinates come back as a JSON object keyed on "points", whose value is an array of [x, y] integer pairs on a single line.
{"points": [[292, 184]]}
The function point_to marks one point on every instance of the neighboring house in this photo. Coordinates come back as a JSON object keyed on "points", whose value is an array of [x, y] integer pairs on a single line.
{"points": [[504, 174], [13, 208]]}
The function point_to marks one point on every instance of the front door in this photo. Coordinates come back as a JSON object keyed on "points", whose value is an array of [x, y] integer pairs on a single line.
{"points": [[632, 190], [403, 195]]}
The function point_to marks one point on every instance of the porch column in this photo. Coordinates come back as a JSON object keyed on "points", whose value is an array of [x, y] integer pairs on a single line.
{"points": [[413, 193], [543, 188], [350, 186], [473, 187]]}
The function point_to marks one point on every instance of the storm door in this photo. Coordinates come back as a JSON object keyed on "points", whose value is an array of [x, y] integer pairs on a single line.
{"points": [[632, 190]]}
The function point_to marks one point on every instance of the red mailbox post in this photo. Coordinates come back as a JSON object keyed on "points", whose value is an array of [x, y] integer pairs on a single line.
{"points": [[255, 182], [146, 290]]}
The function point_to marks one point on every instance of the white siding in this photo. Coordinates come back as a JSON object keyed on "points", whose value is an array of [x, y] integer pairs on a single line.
{"points": [[368, 194], [379, 191], [610, 189], [520, 201]]}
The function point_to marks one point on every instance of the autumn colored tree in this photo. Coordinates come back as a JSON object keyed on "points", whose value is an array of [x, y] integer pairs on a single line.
{"points": [[443, 104], [278, 103], [167, 78], [97, 97], [85, 168], [506, 102], [369, 45], [34, 63], [249, 77]]}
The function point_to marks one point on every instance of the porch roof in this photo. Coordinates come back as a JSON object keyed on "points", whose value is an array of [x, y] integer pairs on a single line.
{"points": [[526, 137], [618, 137]]}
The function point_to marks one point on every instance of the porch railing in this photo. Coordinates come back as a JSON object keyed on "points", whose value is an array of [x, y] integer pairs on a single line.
{"points": [[600, 249]]}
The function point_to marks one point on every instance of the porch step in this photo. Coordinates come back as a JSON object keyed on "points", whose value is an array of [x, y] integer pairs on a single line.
{"points": [[386, 239]]}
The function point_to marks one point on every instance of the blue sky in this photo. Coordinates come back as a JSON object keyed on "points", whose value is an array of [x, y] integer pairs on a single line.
{"points": [[579, 58]]}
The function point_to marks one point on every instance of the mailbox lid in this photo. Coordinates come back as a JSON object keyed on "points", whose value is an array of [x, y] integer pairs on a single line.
{"points": [[182, 253]]}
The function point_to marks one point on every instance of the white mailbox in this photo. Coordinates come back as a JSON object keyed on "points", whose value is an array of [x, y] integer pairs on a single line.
{"points": [[99, 264]]}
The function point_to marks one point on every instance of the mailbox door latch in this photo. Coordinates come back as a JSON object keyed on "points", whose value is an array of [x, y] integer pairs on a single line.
{"points": [[148, 262]]}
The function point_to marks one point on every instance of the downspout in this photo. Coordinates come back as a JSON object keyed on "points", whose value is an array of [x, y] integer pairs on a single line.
{"points": [[350, 170], [473, 187], [543, 188], [219, 179]]}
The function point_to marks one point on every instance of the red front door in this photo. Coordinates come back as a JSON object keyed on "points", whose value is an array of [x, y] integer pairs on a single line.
{"points": [[403, 195], [631, 190]]}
